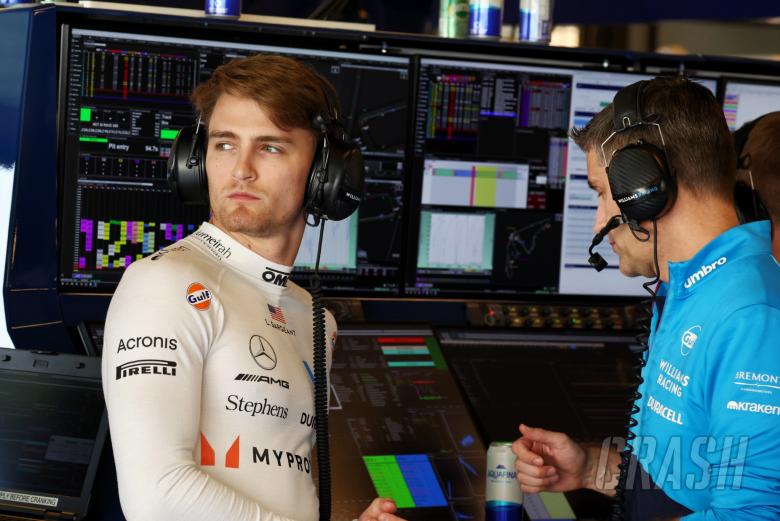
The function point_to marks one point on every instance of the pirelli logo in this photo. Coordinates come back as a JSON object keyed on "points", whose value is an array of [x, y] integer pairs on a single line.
{"points": [[243, 377]]}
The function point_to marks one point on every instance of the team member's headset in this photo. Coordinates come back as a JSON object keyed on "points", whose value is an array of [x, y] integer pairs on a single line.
{"points": [[333, 192], [746, 200], [639, 176]]}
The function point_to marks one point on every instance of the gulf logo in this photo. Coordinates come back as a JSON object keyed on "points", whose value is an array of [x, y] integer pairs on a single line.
{"points": [[198, 296]]}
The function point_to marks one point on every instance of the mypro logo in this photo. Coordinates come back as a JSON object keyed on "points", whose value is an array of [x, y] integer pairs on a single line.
{"points": [[275, 277], [262, 352], [705, 270], [689, 339], [161, 367]]}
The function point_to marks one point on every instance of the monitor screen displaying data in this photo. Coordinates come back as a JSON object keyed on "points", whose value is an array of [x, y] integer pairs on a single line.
{"points": [[502, 191], [401, 429], [744, 101], [126, 96]]}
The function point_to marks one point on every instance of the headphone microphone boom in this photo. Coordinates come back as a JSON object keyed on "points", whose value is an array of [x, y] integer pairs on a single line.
{"points": [[595, 259]]}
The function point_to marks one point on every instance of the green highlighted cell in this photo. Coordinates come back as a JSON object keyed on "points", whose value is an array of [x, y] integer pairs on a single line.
{"points": [[412, 363], [90, 139], [168, 133], [85, 114], [388, 480]]}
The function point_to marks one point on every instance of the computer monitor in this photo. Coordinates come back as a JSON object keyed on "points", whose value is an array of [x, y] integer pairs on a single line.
{"points": [[125, 97], [745, 100], [504, 206]]}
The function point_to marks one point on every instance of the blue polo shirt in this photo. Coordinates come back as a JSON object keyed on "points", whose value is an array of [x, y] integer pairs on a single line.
{"points": [[708, 430]]}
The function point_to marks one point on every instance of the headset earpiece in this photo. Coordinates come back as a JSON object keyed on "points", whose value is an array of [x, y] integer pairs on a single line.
{"points": [[638, 173], [186, 166]]}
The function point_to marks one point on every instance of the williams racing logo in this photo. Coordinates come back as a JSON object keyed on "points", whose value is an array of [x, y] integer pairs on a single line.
{"points": [[275, 277], [262, 352], [138, 367], [198, 296]]}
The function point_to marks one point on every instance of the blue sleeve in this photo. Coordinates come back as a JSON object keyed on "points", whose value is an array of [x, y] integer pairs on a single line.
{"points": [[743, 383]]}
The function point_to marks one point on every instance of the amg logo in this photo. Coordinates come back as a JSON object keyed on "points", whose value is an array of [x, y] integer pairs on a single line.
{"points": [[754, 407], [276, 277], [282, 457], [262, 379], [162, 367], [705, 270], [219, 250]]}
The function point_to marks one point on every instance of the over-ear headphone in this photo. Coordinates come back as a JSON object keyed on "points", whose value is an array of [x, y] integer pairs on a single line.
{"points": [[639, 175], [335, 184]]}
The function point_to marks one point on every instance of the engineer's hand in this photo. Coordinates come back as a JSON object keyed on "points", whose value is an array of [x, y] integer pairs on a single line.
{"points": [[549, 461], [380, 509]]}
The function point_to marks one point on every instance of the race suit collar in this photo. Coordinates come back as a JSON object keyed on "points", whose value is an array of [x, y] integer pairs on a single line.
{"points": [[270, 275]]}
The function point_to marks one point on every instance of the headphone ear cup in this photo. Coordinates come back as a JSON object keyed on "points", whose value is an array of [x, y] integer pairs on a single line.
{"points": [[187, 178], [342, 190], [639, 181]]}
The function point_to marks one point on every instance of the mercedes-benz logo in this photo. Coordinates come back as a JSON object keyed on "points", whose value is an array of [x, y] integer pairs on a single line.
{"points": [[262, 352]]}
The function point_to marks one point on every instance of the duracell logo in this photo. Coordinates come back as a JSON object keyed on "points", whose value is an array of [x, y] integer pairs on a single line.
{"points": [[138, 367]]}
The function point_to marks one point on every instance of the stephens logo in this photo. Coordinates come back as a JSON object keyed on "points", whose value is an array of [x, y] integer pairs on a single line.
{"points": [[208, 456], [688, 340], [198, 296], [262, 379], [264, 408], [136, 367], [262, 352], [275, 277], [705, 270]]}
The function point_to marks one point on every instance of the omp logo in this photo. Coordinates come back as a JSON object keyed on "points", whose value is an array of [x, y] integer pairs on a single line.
{"points": [[198, 296], [262, 352], [754, 407], [136, 367], [208, 456], [705, 270], [275, 277], [688, 339]]}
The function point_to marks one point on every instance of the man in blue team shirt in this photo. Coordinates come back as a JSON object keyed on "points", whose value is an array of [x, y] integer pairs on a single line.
{"points": [[708, 432]]}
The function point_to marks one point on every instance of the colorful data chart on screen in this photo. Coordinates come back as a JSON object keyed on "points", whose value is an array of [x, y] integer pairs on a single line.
{"points": [[116, 244], [339, 245], [413, 351], [442, 243], [487, 185], [408, 479]]}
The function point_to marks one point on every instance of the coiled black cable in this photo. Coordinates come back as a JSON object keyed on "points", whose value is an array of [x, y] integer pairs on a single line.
{"points": [[642, 339], [321, 385]]}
